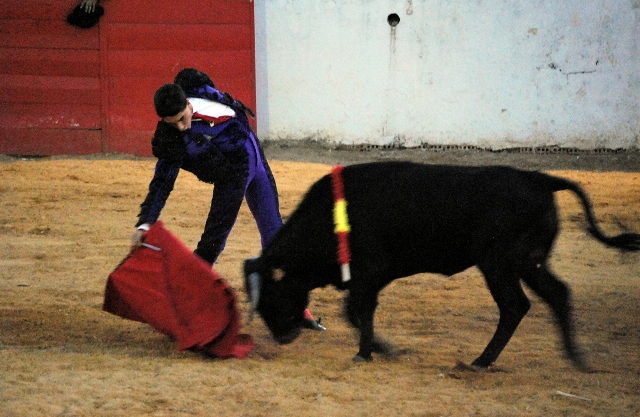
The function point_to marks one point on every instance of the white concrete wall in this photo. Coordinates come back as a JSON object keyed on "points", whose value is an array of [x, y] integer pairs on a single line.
{"points": [[487, 73]]}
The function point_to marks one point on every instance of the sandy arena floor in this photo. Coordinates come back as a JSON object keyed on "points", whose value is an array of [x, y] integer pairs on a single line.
{"points": [[65, 224]]}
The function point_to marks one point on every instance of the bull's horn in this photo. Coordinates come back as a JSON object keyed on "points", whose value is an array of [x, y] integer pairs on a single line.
{"points": [[254, 280]]}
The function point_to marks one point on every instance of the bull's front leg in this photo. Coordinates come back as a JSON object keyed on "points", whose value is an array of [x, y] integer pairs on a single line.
{"points": [[360, 310]]}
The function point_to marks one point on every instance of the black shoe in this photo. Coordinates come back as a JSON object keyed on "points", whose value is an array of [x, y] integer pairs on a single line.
{"points": [[314, 325]]}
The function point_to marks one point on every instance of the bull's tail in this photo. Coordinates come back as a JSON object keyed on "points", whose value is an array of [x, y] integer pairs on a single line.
{"points": [[624, 241]]}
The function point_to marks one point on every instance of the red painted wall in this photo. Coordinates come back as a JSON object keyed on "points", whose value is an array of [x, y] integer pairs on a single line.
{"points": [[66, 90]]}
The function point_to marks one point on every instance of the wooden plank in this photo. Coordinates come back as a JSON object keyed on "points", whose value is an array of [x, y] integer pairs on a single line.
{"points": [[139, 91], [15, 89], [136, 91], [104, 90], [47, 68], [47, 142], [140, 11], [179, 12], [179, 37], [133, 142], [51, 96], [50, 116], [128, 117], [165, 65], [50, 82], [36, 9], [59, 62], [46, 34]]}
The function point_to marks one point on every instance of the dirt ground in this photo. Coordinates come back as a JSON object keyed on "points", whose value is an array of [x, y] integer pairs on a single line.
{"points": [[65, 224]]}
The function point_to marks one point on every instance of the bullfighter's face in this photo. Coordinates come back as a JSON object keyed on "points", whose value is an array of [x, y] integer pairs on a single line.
{"points": [[280, 303], [182, 120]]}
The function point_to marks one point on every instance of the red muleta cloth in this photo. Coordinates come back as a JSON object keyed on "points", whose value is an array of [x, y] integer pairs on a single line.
{"points": [[177, 293]]}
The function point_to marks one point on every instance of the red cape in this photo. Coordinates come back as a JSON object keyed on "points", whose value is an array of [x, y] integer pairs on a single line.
{"points": [[177, 293]]}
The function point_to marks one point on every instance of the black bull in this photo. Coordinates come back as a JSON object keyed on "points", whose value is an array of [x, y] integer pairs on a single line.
{"points": [[410, 218]]}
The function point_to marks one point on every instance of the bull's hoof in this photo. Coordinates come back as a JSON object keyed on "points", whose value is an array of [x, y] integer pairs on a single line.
{"points": [[480, 364], [383, 347], [461, 366], [359, 359], [582, 366], [578, 360], [473, 367]]}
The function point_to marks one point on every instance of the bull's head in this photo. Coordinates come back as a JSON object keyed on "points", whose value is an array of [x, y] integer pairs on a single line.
{"points": [[277, 298]]}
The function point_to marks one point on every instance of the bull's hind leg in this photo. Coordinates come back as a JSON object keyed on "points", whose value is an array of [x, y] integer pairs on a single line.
{"points": [[558, 296], [513, 305]]}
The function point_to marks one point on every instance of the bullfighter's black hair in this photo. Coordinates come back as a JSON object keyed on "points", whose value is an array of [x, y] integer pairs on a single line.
{"points": [[169, 100]]}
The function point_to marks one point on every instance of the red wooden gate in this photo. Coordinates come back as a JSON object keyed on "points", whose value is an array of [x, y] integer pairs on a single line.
{"points": [[66, 90]]}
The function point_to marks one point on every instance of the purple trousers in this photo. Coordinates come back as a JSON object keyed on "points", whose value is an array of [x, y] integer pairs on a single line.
{"points": [[257, 185]]}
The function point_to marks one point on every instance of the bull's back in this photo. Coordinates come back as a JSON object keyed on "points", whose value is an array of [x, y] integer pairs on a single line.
{"points": [[407, 218], [438, 218]]}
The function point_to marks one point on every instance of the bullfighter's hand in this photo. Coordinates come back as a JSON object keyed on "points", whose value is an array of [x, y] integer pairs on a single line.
{"points": [[89, 6], [136, 239]]}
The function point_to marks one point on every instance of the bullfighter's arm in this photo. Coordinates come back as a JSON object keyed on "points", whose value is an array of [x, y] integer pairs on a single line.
{"points": [[160, 187]]}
